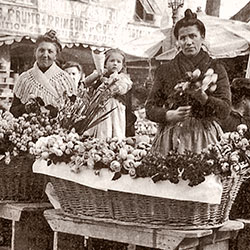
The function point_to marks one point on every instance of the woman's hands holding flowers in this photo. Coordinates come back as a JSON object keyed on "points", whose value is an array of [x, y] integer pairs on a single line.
{"points": [[198, 86], [179, 114]]}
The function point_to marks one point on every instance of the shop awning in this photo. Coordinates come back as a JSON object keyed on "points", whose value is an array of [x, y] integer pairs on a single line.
{"points": [[8, 40]]}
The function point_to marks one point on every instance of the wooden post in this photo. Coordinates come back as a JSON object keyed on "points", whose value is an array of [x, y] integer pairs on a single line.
{"points": [[29, 227], [213, 7], [67, 241], [5, 57]]}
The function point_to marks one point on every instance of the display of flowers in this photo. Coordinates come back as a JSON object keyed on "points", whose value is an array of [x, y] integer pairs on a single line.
{"points": [[19, 134], [146, 127], [78, 113], [119, 156], [228, 157], [57, 147]]}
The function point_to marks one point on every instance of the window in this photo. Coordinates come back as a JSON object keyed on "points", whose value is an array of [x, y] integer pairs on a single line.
{"points": [[144, 11]]}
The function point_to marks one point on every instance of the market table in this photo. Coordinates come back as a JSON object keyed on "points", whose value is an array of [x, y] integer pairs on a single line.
{"points": [[29, 228], [161, 237]]}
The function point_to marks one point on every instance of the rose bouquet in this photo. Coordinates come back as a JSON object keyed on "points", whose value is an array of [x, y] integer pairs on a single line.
{"points": [[17, 181], [145, 127]]}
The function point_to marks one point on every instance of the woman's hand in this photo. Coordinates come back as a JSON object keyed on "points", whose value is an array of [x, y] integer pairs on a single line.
{"points": [[200, 95], [179, 114]]}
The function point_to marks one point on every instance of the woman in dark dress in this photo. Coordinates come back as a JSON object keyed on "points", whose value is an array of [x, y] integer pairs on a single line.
{"points": [[193, 125]]}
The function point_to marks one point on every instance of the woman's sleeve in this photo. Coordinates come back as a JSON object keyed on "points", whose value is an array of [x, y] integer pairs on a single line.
{"points": [[155, 109], [220, 101], [17, 107]]}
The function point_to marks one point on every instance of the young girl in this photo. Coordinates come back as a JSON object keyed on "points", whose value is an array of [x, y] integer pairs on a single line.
{"points": [[115, 124]]}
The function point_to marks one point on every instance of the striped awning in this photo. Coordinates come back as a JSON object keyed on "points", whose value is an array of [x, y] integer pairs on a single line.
{"points": [[8, 40]]}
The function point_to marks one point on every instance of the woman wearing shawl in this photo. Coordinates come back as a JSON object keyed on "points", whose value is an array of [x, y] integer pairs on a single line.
{"points": [[188, 125], [45, 80]]}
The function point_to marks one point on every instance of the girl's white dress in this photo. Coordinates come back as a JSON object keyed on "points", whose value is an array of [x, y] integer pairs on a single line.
{"points": [[115, 124]]}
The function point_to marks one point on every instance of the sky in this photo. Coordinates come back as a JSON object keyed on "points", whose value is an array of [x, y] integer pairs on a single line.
{"points": [[228, 7], [231, 7]]}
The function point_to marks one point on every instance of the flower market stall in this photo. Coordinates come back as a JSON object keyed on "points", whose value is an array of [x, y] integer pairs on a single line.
{"points": [[119, 186], [123, 179], [120, 180]]}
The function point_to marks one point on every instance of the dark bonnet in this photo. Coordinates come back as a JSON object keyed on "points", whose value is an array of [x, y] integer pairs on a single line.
{"points": [[240, 88]]}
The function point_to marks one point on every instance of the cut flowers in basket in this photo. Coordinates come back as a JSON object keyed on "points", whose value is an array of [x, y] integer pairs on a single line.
{"points": [[19, 134], [76, 113], [119, 156], [229, 157]]}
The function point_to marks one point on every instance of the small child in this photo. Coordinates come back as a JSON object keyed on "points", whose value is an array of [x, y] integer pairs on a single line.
{"points": [[115, 124]]}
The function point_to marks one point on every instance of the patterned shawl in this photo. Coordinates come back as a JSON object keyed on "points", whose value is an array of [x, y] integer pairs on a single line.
{"points": [[49, 85]]}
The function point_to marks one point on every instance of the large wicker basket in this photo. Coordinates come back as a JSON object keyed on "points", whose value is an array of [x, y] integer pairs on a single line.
{"points": [[19, 183], [81, 200]]}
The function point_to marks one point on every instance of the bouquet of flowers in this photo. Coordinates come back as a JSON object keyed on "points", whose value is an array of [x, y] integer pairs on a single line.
{"points": [[193, 81], [145, 127]]}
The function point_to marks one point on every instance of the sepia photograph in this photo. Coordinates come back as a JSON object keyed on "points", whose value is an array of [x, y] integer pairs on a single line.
{"points": [[124, 125]]}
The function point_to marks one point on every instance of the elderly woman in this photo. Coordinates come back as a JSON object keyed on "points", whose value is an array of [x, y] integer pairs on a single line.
{"points": [[188, 121], [45, 80]]}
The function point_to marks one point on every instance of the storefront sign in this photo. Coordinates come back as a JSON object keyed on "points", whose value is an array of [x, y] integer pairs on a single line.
{"points": [[32, 3], [75, 23]]}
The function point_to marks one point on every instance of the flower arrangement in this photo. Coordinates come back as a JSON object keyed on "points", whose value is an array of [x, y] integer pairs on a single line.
{"points": [[145, 127], [80, 112], [77, 114], [19, 134]]}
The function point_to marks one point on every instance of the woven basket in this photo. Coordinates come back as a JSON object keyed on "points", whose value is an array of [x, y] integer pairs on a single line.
{"points": [[154, 210], [81, 200], [19, 183]]}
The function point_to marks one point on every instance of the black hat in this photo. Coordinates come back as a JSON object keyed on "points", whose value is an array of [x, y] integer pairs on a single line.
{"points": [[240, 88], [240, 83], [50, 36]]}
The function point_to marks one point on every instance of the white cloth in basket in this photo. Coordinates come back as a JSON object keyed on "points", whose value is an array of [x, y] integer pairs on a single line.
{"points": [[209, 191]]}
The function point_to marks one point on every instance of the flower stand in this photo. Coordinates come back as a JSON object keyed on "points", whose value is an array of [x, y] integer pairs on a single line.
{"points": [[139, 234], [29, 228]]}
